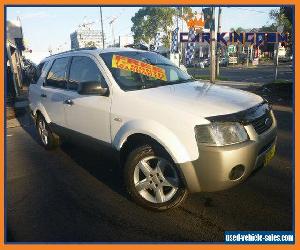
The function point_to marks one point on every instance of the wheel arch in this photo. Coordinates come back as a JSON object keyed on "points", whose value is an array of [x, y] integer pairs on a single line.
{"points": [[42, 111], [143, 131], [135, 140]]}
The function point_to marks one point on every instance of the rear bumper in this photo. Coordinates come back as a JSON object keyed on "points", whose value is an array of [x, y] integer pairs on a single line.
{"points": [[213, 170]]}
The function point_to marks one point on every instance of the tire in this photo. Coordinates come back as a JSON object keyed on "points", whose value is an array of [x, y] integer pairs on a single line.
{"points": [[47, 138], [152, 179]]}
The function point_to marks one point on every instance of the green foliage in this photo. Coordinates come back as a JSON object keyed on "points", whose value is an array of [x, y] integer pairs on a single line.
{"points": [[89, 44], [270, 28], [238, 30], [149, 20], [288, 12], [284, 17]]}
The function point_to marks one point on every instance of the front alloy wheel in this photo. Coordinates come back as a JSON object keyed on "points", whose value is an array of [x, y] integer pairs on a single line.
{"points": [[155, 179], [152, 179]]}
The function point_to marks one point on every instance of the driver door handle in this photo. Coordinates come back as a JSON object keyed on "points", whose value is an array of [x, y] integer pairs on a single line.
{"points": [[43, 95], [68, 102]]}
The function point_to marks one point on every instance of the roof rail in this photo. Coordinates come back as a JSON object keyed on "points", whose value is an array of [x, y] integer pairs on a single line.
{"points": [[79, 49]]}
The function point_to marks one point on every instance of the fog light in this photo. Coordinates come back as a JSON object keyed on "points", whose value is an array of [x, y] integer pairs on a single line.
{"points": [[236, 172]]}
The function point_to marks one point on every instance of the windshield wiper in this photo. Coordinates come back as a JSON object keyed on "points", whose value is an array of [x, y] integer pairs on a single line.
{"points": [[162, 64], [147, 86]]}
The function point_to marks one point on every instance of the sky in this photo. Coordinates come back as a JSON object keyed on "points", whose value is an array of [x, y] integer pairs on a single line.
{"points": [[45, 27]]}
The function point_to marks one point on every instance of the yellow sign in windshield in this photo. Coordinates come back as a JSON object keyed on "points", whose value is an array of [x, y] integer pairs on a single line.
{"points": [[130, 64]]}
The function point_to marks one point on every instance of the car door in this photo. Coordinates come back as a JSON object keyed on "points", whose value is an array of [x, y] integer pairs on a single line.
{"points": [[53, 91], [87, 114]]}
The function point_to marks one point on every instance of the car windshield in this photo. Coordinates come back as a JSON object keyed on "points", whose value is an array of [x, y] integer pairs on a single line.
{"points": [[134, 70]]}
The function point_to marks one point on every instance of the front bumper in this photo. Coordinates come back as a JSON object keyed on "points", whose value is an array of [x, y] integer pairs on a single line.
{"points": [[212, 171]]}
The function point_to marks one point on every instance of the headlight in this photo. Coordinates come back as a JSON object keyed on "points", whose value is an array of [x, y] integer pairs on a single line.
{"points": [[221, 133]]}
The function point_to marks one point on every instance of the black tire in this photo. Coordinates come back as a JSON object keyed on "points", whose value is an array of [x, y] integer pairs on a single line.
{"points": [[52, 139], [132, 160]]}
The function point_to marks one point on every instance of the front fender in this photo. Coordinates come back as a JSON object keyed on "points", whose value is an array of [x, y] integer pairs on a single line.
{"points": [[172, 143]]}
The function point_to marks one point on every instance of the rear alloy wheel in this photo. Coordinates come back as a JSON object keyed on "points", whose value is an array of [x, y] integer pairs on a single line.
{"points": [[46, 136], [153, 180], [43, 131]]}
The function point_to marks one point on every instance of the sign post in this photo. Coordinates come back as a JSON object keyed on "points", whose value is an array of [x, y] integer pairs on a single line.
{"points": [[218, 47], [279, 30], [212, 48]]}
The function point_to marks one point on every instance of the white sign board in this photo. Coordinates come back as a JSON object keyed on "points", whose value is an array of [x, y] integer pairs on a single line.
{"points": [[255, 61], [232, 59]]}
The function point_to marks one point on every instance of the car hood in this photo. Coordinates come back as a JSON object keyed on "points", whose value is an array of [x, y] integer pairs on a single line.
{"points": [[198, 98]]}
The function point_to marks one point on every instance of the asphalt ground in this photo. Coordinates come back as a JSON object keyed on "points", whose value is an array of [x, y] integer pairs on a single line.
{"points": [[73, 194]]}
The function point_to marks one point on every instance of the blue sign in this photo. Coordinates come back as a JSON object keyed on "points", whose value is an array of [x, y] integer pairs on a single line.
{"points": [[259, 237], [257, 38]]}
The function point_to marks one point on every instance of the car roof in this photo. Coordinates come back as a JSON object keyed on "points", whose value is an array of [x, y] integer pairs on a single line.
{"points": [[93, 51]]}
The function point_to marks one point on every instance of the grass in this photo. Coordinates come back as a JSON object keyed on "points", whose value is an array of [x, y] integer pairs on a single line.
{"points": [[281, 81]]}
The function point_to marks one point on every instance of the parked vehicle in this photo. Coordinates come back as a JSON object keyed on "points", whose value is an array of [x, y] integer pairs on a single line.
{"points": [[223, 62], [172, 134], [285, 59], [242, 58], [206, 62], [198, 63]]}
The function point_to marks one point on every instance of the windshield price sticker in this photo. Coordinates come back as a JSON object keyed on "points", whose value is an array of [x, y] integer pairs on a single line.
{"points": [[130, 64]]}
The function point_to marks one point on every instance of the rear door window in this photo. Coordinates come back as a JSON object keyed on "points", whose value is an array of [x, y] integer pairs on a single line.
{"points": [[57, 76]]}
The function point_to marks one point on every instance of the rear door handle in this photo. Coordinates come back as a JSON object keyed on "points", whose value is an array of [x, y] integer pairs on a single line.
{"points": [[43, 95], [68, 102]]}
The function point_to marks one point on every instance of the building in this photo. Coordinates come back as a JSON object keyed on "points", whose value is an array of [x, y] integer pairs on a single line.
{"points": [[14, 48], [85, 36]]}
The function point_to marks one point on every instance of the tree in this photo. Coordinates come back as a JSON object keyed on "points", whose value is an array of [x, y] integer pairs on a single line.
{"points": [[237, 30], [149, 20], [283, 16], [89, 44], [288, 12]]}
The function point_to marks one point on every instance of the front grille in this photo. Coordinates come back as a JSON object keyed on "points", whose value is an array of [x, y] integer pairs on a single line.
{"points": [[262, 123]]}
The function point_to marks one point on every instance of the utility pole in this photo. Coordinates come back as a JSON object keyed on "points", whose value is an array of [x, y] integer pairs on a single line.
{"points": [[102, 32], [212, 48], [218, 47]]}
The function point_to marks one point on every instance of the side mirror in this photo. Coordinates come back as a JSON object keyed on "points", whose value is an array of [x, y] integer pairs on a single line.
{"points": [[92, 88]]}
